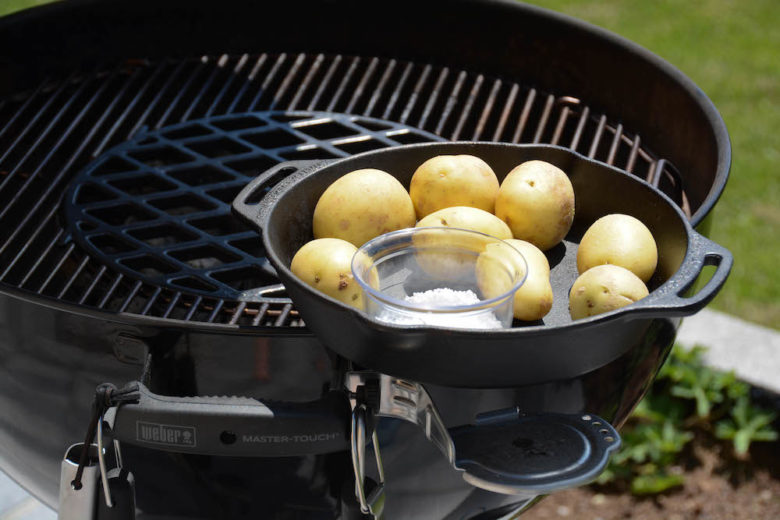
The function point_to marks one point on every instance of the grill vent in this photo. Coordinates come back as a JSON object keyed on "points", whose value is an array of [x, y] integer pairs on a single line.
{"points": [[50, 134]]}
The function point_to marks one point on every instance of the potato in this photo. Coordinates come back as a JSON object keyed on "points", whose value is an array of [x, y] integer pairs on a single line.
{"points": [[361, 205], [326, 265], [533, 300], [619, 240], [498, 268], [453, 180], [604, 288], [450, 265], [536, 200], [464, 217]]}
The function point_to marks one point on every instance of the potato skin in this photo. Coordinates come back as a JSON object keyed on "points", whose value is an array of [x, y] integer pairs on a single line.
{"points": [[465, 217], [498, 268], [536, 200], [602, 289], [533, 300], [445, 181], [619, 240], [326, 265], [361, 205], [449, 266]]}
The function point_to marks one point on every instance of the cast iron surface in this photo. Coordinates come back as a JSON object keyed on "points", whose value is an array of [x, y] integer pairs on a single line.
{"points": [[157, 207], [555, 349]]}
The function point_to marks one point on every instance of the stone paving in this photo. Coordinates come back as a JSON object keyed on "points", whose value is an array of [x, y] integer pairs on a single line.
{"points": [[752, 351]]}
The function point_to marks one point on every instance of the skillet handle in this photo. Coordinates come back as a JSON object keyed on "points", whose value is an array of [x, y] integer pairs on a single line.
{"points": [[231, 426], [251, 204], [670, 300]]}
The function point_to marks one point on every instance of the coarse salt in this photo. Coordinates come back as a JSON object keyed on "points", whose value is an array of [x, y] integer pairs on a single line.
{"points": [[442, 297]]}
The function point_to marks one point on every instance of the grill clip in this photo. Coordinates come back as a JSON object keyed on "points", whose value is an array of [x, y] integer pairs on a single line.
{"points": [[79, 480]]}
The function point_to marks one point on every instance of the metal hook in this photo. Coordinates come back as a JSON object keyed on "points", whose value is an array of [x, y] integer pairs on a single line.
{"points": [[358, 451], [118, 454], [102, 462]]}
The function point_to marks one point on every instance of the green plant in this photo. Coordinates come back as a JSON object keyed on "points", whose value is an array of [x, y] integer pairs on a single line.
{"points": [[686, 399], [692, 380], [746, 424]]}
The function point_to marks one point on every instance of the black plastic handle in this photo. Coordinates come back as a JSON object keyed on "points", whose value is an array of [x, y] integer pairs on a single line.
{"points": [[670, 300], [234, 426], [251, 203]]}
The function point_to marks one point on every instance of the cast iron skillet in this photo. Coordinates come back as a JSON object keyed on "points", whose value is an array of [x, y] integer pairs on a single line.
{"points": [[280, 204]]}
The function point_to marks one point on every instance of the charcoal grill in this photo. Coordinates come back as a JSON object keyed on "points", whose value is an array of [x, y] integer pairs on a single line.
{"points": [[87, 85]]}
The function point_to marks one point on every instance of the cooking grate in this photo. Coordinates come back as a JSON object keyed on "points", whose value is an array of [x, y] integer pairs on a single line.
{"points": [[50, 134], [157, 208]]}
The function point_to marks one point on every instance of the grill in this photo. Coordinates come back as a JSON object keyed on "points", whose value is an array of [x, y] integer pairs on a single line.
{"points": [[101, 170], [126, 130]]}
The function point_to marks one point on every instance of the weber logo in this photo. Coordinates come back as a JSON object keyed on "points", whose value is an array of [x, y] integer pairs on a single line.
{"points": [[165, 434]]}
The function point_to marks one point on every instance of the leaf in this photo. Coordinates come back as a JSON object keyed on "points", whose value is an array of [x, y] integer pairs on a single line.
{"points": [[703, 404], [654, 484], [737, 389], [742, 440], [605, 477], [766, 436], [725, 430], [746, 424]]}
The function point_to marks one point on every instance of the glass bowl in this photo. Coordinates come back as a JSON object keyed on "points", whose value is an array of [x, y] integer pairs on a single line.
{"points": [[439, 276]]}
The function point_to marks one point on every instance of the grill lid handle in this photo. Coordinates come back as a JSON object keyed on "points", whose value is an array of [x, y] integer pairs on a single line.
{"points": [[232, 426]]}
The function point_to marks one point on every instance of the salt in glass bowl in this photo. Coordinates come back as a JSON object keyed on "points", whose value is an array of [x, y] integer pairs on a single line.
{"points": [[439, 276]]}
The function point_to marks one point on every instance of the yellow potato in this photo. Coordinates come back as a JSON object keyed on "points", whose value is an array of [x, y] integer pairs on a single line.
{"points": [[464, 217], [437, 258], [326, 265], [536, 200], [361, 205], [499, 267], [604, 288], [619, 240], [533, 300], [453, 180]]}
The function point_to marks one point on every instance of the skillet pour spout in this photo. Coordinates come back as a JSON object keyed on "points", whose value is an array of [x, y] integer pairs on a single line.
{"points": [[280, 205]]}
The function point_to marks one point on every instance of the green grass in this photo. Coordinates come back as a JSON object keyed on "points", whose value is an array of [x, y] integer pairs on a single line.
{"points": [[730, 49], [10, 6]]}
